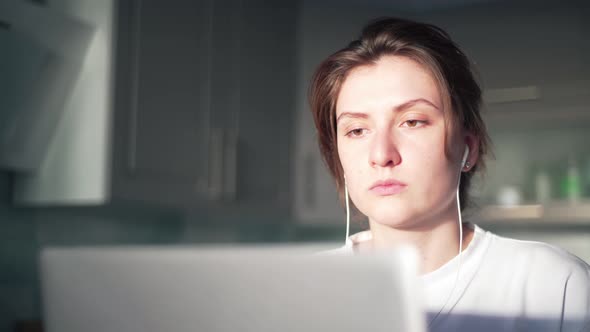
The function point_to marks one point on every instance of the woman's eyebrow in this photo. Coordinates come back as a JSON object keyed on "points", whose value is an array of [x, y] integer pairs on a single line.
{"points": [[357, 115], [397, 108], [413, 102]]}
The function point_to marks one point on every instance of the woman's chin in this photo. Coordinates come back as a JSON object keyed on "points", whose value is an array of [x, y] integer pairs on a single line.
{"points": [[402, 212], [395, 218]]}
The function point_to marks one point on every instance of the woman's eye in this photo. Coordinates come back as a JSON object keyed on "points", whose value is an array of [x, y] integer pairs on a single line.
{"points": [[356, 132], [414, 123]]}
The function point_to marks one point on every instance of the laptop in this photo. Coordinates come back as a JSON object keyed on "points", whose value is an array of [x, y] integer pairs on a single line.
{"points": [[228, 289]]}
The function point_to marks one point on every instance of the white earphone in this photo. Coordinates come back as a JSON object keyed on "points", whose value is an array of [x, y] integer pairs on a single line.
{"points": [[346, 239], [465, 155]]}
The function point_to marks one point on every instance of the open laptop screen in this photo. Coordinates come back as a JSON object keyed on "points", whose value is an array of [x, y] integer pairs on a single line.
{"points": [[272, 288]]}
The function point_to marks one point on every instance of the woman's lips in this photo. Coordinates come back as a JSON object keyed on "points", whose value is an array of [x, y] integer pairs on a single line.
{"points": [[387, 187]]}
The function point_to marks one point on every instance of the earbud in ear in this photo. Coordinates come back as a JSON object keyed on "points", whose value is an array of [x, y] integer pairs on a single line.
{"points": [[465, 155]]}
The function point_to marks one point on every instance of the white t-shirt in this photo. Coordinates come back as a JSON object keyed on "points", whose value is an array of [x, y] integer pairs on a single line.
{"points": [[505, 285]]}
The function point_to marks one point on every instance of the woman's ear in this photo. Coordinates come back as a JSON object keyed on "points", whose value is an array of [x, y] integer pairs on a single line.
{"points": [[472, 142]]}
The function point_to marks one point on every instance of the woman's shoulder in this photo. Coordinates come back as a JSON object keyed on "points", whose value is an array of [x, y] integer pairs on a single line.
{"points": [[549, 279], [545, 270], [536, 254]]}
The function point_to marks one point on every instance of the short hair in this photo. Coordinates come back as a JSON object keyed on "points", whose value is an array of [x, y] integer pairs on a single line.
{"points": [[429, 46]]}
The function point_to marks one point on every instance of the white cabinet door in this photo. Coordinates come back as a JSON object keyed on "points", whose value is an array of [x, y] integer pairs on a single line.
{"points": [[162, 137]]}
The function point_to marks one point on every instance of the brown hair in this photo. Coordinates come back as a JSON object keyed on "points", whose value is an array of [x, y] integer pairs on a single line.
{"points": [[429, 46]]}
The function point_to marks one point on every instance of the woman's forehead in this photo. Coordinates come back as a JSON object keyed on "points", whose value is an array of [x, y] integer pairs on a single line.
{"points": [[388, 83]]}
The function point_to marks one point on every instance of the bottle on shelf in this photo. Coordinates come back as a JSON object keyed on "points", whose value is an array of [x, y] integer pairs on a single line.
{"points": [[542, 186], [571, 184]]}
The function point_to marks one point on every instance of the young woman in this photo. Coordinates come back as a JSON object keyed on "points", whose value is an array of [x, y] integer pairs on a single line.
{"points": [[398, 119]]}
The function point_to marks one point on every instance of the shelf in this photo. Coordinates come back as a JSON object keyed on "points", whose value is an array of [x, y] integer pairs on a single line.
{"points": [[551, 213], [552, 105]]}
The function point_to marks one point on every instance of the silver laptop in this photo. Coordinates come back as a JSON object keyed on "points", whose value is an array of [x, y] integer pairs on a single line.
{"points": [[227, 289]]}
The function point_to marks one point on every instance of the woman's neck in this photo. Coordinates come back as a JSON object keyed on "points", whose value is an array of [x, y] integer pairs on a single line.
{"points": [[436, 244]]}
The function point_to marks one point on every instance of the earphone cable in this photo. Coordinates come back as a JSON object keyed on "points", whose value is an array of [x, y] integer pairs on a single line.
{"points": [[459, 258], [346, 239]]}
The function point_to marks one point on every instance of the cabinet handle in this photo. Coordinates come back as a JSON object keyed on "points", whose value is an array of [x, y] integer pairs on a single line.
{"points": [[230, 165], [215, 163]]}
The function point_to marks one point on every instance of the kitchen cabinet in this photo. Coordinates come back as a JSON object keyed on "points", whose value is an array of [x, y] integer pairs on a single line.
{"points": [[267, 100], [199, 112], [162, 100]]}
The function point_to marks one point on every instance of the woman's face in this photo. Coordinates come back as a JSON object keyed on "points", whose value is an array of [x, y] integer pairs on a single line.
{"points": [[391, 135]]}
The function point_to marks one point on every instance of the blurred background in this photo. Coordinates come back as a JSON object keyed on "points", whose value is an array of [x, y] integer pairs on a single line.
{"points": [[186, 122]]}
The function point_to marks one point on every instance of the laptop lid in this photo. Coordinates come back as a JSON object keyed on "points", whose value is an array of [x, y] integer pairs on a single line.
{"points": [[239, 288]]}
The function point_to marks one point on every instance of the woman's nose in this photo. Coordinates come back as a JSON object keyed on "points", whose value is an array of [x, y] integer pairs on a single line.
{"points": [[384, 151]]}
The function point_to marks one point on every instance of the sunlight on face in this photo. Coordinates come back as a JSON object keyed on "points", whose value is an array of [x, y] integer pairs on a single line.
{"points": [[391, 143]]}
